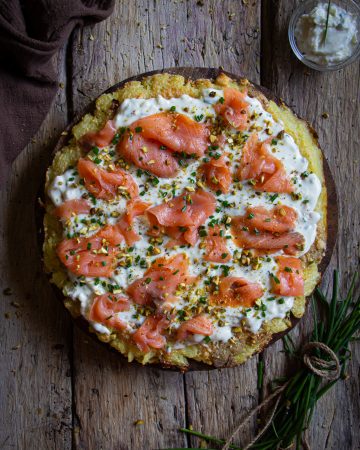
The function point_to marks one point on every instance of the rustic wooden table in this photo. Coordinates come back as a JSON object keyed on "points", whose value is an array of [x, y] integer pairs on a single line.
{"points": [[60, 390]]}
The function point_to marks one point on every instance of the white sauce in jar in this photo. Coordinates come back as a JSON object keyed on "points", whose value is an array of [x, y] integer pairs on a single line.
{"points": [[67, 186], [340, 40]]}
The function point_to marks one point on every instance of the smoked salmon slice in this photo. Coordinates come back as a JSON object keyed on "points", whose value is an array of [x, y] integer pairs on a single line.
{"points": [[150, 142], [236, 291], [266, 171], [72, 208], [104, 184], [174, 263], [279, 219], [217, 174], [91, 256], [290, 243], [215, 245], [197, 325], [148, 154], [176, 132], [234, 108], [267, 230], [94, 256], [181, 217], [151, 333], [289, 279], [100, 138], [160, 282], [125, 224], [105, 307]]}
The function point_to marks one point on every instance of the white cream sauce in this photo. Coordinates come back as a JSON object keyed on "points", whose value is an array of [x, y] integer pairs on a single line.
{"points": [[341, 38], [67, 186]]}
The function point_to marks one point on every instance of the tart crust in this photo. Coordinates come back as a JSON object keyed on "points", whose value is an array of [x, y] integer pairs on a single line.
{"points": [[245, 344]]}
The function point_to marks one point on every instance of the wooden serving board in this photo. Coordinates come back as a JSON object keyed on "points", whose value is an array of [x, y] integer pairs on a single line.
{"points": [[193, 74]]}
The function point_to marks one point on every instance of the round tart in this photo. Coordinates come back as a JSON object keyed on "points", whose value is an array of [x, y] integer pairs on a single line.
{"points": [[186, 220]]}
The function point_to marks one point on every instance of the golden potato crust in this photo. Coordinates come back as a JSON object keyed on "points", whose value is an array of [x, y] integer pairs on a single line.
{"points": [[245, 343]]}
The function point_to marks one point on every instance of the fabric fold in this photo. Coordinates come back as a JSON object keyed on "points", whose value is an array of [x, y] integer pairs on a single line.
{"points": [[31, 33]]}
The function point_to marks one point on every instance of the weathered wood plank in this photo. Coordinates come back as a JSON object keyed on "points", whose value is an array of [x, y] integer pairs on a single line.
{"points": [[35, 388], [109, 394], [228, 34], [311, 94]]}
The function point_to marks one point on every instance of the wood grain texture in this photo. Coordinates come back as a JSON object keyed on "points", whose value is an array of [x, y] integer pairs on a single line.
{"points": [[101, 58], [35, 334], [311, 94], [61, 390]]}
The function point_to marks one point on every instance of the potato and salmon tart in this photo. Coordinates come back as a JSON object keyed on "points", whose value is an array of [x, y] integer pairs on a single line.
{"points": [[185, 220]]}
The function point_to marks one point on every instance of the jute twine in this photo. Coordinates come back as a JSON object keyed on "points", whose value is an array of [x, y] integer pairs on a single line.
{"points": [[327, 369]]}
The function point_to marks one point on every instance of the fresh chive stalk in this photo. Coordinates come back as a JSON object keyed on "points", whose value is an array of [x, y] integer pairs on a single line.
{"points": [[327, 22]]}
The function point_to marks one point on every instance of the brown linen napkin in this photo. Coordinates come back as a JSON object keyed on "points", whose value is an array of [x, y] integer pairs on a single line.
{"points": [[31, 32]]}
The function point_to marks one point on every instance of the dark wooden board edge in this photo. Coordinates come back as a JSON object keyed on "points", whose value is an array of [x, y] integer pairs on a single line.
{"points": [[193, 74]]}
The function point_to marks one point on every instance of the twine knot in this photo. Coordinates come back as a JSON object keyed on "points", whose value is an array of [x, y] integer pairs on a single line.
{"points": [[324, 367], [328, 369]]}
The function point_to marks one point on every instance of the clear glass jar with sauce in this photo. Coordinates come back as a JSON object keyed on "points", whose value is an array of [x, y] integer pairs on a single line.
{"points": [[326, 50]]}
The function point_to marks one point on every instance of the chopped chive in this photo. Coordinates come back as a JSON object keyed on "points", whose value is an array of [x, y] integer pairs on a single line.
{"points": [[275, 278]]}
